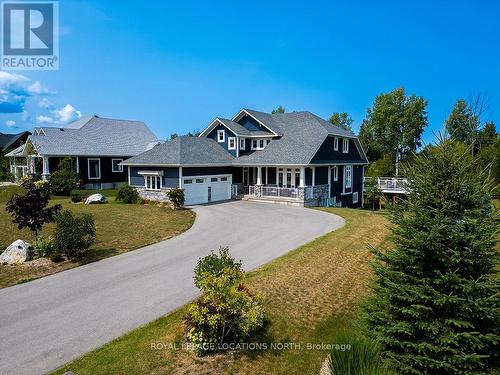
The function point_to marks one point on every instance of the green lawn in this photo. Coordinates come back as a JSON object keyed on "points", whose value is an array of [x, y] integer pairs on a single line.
{"points": [[119, 227], [308, 295]]}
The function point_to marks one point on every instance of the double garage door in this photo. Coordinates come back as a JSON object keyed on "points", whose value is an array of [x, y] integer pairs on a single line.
{"points": [[204, 189]]}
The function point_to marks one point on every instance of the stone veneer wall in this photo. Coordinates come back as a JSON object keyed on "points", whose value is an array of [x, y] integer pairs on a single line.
{"points": [[153, 195]]}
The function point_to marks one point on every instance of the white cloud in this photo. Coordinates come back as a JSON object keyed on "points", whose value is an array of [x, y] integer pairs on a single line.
{"points": [[11, 124], [64, 115], [15, 89], [45, 103], [37, 89]]}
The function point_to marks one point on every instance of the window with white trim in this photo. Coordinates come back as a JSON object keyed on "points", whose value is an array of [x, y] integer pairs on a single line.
{"points": [[188, 181], [345, 148], [355, 197], [200, 180], [152, 182], [115, 165], [221, 136], [94, 169], [259, 144], [335, 144], [242, 143], [347, 176], [335, 170], [231, 143]]}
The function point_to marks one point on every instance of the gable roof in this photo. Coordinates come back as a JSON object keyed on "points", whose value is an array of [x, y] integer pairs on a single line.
{"points": [[303, 135], [184, 151], [94, 136], [9, 140], [265, 119]]}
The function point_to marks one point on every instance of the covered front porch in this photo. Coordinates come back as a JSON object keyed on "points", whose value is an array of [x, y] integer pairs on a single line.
{"points": [[294, 185]]}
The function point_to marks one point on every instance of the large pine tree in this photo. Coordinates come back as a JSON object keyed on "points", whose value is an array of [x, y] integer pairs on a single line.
{"points": [[435, 306]]}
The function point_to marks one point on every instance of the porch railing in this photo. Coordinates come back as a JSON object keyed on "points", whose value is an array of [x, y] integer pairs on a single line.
{"points": [[281, 192], [390, 184]]}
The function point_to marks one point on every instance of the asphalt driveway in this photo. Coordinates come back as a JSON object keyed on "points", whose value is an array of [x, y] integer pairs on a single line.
{"points": [[48, 322]]}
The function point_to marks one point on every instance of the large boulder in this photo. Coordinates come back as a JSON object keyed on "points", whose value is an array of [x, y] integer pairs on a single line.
{"points": [[17, 252], [95, 199]]}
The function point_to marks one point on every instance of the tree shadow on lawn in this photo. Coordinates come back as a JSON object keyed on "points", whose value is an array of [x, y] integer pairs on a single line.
{"points": [[96, 254]]}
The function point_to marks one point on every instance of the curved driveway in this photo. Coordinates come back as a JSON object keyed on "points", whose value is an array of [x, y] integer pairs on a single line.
{"points": [[48, 322]]}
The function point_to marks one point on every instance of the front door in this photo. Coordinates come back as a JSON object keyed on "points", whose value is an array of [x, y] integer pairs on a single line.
{"points": [[245, 177]]}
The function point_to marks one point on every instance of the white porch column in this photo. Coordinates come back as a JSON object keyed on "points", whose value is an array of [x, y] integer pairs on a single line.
{"points": [[302, 181], [329, 181], [45, 171], [313, 176], [259, 176], [180, 177], [77, 164]]}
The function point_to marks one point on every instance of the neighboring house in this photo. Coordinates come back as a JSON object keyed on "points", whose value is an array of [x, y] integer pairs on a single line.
{"points": [[295, 158], [9, 142], [96, 145]]}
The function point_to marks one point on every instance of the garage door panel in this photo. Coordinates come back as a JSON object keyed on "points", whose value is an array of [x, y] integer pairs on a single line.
{"points": [[196, 192]]}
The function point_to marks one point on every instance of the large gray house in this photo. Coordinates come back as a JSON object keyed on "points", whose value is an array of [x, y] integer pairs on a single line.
{"points": [[96, 145], [292, 158]]}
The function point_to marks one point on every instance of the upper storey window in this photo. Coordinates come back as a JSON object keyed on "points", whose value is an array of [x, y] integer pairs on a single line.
{"points": [[221, 136], [260, 144], [335, 144], [345, 148]]}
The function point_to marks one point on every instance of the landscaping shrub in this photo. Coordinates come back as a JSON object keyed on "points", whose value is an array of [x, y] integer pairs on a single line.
{"points": [[73, 235], [176, 196], [5, 174], [30, 210], [64, 179], [354, 354], [127, 194], [76, 197], [227, 312], [44, 247], [435, 303]]}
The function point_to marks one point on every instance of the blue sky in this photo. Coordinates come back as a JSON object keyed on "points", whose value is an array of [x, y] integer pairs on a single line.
{"points": [[176, 65]]}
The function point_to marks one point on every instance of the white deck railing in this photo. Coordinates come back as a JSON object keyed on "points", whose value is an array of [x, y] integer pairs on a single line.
{"points": [[390, 184], [281, 192]]}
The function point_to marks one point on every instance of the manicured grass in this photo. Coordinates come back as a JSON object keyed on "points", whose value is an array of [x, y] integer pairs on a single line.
{"points": [[119, 228], [309, 294]]}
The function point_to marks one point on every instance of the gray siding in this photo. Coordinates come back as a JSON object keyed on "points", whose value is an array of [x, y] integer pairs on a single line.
{"points": [[170, 177], [205, 171], [326, 152], [229, 133]]}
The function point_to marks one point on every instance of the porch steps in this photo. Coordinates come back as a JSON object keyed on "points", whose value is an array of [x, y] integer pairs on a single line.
{"points": [[282, 201]]}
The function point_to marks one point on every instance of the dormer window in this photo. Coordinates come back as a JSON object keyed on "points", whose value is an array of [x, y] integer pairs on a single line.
{"points": [[242, 144], [221, 136], [345, 148], [259, 144], [231, 143], [335, 144]]}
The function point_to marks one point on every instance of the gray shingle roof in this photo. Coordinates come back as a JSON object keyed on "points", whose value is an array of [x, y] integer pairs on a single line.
{"points": [[235, 127], [95, 136], [184, 151], [303, 134]]}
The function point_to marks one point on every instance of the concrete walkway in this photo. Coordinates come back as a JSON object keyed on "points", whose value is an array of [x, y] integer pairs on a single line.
{"points": [[47, 322]]}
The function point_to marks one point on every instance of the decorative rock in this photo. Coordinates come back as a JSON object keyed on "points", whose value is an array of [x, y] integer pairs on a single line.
{"points": [[96, 198], [17, 252]]}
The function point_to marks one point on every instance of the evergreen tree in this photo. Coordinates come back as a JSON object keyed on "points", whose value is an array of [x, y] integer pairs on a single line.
{"points": [[435, 301], [342, 120], [280, 109]]}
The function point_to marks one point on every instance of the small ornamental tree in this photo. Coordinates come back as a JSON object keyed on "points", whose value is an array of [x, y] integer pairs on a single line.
{"points": [[74, 235], [65, 178], [30, 210], [227, 312], [435, 303], [176, 196]]}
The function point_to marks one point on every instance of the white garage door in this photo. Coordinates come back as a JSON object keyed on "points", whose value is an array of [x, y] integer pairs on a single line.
{"points": [[198, 190]]}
